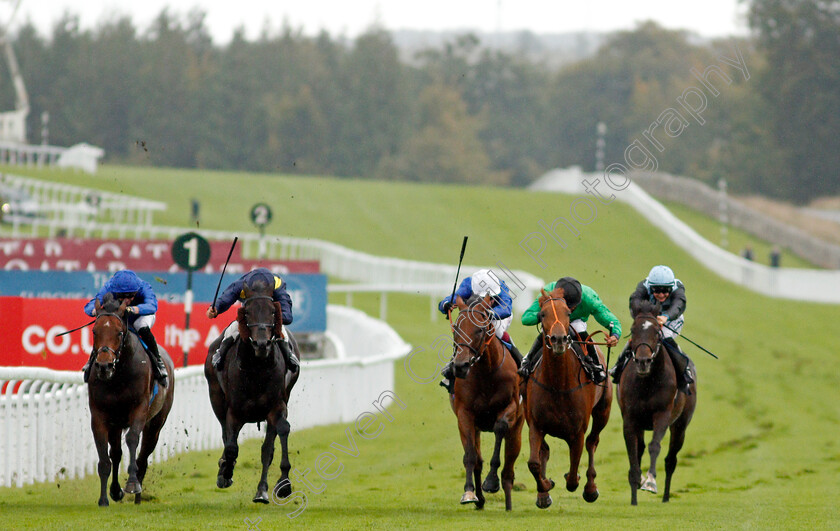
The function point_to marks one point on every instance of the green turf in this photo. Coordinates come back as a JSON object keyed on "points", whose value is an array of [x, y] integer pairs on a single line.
{"points": [[762, 451]]}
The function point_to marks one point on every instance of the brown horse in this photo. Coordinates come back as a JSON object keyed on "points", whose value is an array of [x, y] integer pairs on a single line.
{"points": [[486, 398], [559, 400], [253, 387], [122, 394], [649, 400]]}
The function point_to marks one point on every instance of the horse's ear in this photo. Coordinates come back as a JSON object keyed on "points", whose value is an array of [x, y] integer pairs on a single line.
{"points": [[459, 303], [123, 306], [657, 307], [246, 291], [96, 305]]}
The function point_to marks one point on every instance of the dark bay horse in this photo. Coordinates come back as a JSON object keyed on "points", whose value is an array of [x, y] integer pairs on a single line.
{"points": [[123, 395], [648, 398], [486, 399], [559, 400], [253, 387]]}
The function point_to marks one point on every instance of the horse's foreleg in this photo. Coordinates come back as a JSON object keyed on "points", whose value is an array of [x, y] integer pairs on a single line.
{"points": [[231, 451], [599, 421], [631, 441], [151, 434], [491, 482], [479, 466], [513, 443], [283, 488], [676, 444], [132, 439], [267, 456], [661, 421], [115, 441], [466, 429], [537, 463], [575, 452], [100, 438]]}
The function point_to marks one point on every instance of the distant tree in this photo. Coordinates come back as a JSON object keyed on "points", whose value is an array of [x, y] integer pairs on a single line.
{"points": [[801, 84]]}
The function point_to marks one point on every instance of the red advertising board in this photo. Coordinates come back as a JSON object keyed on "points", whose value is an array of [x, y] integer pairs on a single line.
{"points": [[29, 331], [78, 254]]}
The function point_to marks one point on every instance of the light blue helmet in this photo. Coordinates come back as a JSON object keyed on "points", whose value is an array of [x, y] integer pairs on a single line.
{"points": [[661, 275]]}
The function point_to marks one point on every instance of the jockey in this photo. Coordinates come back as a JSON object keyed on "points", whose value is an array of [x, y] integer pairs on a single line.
{"points": [[140, 315], [661, 287], [583, 302], [236, 292], [483, 282]]}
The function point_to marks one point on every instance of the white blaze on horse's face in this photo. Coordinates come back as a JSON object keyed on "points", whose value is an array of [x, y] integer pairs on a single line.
{"points": [[647, 325]]}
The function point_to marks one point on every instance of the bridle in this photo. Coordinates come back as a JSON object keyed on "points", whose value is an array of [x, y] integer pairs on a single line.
{"points": [[123, 333], [567, 339], [654, 349], [485, 331], [261, 326]]}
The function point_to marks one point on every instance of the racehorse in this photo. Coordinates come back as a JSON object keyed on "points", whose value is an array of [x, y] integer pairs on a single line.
{"points": [[649, 400], [486, 398], [122, 394], [253, 387], [559, 400]]}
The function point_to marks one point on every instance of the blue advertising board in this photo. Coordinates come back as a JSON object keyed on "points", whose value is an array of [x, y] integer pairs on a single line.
{"points": [[308, 291]]}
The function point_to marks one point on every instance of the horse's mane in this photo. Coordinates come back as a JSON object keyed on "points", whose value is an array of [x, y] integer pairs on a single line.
{"points": [[644, 307], [110, 304]]}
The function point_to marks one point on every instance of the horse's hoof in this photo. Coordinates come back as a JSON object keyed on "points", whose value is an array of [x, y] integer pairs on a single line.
{"points": [[283, 488], [469, 497], [137, 499], [223, 482], [261, 497], [649, 484], [570, 486], [133, 488], [491, 485], [543, 501], [552, 484], [117, 495], [103, 502], [590, 496], [479, 505]]}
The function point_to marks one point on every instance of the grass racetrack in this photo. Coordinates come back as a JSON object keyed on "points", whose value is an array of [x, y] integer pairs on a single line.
{"points": [[762, 452]]}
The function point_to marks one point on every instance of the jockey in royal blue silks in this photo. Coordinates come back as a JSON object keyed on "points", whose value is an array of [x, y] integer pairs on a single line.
{"points": [[140, 315], [235, 292], [482, 283]]}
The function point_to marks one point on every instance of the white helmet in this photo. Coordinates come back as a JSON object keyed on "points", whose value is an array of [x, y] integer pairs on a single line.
{"points": [[484, 282], [661, 275]]}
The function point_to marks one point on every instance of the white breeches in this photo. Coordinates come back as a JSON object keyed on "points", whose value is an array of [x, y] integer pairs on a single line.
{"points": [[673, 326], [578, 326], [143, 321]]}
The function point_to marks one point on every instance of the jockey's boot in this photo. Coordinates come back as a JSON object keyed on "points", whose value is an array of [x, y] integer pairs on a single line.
{"points": [[516, 355], [448, 381], [682, 365], [596, 371], [88, 366], [529, 362], [219, 355], [158, 368], [292, 362], [620, 363]]}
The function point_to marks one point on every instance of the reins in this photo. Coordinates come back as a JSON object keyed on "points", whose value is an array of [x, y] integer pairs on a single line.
{"points": [[546, 347]]}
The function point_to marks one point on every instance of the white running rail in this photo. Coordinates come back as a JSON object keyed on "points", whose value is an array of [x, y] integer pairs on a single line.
{"points": [[45, 425]]}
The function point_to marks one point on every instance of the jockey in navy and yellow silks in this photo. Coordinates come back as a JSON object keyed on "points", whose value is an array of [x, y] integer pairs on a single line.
{"points": [[236, 292]]}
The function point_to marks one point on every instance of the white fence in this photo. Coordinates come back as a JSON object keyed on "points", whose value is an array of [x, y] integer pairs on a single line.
{"points": [[787, 283], [45, 426]]}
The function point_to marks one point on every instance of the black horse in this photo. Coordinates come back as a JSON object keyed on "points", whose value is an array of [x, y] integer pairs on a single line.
{"points": [[648, 397], [123, 395], [253, 386]]}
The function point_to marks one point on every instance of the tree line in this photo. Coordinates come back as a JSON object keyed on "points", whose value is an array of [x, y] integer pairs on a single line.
{"points": [[291, 103]]}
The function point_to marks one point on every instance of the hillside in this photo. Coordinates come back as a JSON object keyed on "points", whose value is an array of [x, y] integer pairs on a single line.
{"points": [[761, 452]]}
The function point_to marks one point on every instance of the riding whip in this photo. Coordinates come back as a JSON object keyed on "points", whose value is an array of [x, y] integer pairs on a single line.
{"points": [[77, 328], [608, 349], [235, 238], [458, 272], [692, 342]]}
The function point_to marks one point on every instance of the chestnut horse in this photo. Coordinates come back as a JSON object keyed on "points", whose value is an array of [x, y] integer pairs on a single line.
{"points": [[122, 394], [649, 400], [559, 401], [253, 387], [486, 398]]}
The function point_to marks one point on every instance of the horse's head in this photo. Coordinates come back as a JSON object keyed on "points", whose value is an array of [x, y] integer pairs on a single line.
{"points": [[472, 332], [554, 319], [257, 318], [646, 336], [109, 334]]}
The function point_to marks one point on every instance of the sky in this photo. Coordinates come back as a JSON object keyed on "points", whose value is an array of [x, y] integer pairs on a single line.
{"points": [[712, 18]]}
